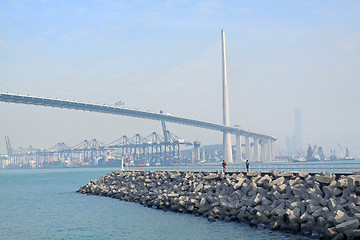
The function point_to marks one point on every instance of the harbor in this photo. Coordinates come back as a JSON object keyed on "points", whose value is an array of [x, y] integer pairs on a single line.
{"points": [[179, 120], [176, 154]]}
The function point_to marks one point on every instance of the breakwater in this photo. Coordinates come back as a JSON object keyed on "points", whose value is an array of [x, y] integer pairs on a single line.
{"points": [[317, 205]]}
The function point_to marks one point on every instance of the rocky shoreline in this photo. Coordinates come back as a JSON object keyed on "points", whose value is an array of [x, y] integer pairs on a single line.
{"points": [[321, 206]]}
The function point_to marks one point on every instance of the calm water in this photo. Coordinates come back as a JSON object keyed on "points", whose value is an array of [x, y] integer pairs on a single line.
{"points": [[43, 204]]}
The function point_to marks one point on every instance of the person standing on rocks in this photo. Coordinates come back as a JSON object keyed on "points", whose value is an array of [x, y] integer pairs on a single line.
{"points": [[224, 165], [247, 165]]}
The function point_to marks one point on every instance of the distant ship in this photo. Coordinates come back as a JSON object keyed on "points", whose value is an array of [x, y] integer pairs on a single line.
{"points": [[315, 154], [312, 157], [345, 157], [299, 159], [333, 155]]}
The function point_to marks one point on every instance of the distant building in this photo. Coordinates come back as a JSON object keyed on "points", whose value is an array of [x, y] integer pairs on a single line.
{"points": [[297, 138], [288, 144]]}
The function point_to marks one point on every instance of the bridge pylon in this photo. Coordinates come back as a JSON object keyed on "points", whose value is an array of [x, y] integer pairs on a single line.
{"points": [[226, 117]]}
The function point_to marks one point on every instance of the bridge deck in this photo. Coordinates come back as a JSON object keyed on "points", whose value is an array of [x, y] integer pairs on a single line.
{"points": [[50, 102]]}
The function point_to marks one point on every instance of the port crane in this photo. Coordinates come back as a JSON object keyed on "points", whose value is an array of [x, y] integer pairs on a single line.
{"points": [[310, 152], [340, 148], [167, 139], [321, 153], [8, 145]]}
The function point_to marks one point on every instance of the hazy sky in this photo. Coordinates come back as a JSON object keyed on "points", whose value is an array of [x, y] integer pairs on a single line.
{"points": [[166, 55]]}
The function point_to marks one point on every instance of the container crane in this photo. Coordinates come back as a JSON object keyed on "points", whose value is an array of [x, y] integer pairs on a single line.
{"points": [[8, 145], [340, 148]]}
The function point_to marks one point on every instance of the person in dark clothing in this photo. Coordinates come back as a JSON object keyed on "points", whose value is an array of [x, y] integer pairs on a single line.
{"points": [[224, 165], [247, 165]]}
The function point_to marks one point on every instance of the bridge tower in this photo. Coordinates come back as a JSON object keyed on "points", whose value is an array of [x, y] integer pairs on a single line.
{"points": [[226, 117]]}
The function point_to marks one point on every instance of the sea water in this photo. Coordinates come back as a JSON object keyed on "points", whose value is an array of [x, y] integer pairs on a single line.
{"points": [[43, 204]]}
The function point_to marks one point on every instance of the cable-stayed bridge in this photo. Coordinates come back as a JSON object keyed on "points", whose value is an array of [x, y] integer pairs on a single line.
{"points": [[57, 103], [259, 140], [35, 73]]}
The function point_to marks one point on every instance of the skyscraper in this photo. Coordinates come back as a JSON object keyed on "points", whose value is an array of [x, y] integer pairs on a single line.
{"points": [[298, 131]]}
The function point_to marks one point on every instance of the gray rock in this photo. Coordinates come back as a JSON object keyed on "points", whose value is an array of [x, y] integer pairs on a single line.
{"points": [[282, 188], [318, 212], [324, 179], [203, 210], [239, 183], [217, 211], [265, 201], [341, 217], [198, 187], [337, 191], [303, 174], [202, 202], [287, 174], [311, 208], [290, 216], [342, 183], [332, 205], [173, 195], [206, 187], [211, 177], [348, 225], [338, 236], [354, 209], [346, 194], [353, 198], [257, 199], [304, 217], [274, 225], [330, 232], [233, 212], [239, 194], [276, 195], [241, 216], [277, 181], [279, 210], [252, 174], [315, 235], [321, 221], [356, 233], [264, 180]]}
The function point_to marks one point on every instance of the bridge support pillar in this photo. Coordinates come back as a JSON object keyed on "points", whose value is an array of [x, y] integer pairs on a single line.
{"points": [[196, 157], [247, 148], [272, 150], [256, 150], [263, 150], [238, 149], [270, 154], [227, 147]]}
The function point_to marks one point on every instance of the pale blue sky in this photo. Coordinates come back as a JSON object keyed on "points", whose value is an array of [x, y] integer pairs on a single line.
{"points": [[281, 55]]}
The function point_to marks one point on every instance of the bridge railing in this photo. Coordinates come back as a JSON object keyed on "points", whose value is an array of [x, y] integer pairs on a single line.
{"points": [[260, 167]]}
